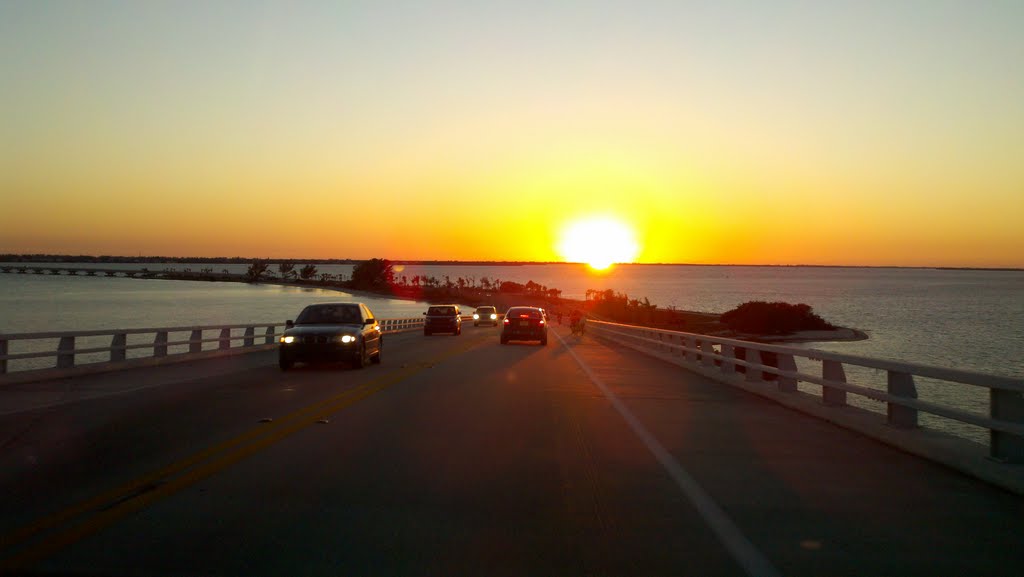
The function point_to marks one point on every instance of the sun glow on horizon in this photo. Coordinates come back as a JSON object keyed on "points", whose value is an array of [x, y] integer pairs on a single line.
{"points": [[599, 242]]}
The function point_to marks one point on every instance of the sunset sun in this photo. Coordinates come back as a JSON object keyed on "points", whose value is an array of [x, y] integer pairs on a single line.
{"points": [[599, 242]]}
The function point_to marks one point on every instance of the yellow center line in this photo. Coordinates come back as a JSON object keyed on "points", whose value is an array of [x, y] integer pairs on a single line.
{"points": [[131, 486], [220, 456]]}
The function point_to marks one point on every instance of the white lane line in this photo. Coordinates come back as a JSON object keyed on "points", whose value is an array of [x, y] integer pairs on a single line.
{"points": [[753, 562]]}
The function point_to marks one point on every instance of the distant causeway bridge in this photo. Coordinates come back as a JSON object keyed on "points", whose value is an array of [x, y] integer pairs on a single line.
{"points": [[75, 270], [70, 270]]}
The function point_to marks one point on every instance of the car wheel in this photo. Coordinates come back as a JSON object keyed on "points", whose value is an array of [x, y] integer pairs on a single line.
{"points": [[284, 362], [426, 333], [504, 340], [544, 342], [360, 361], [375, 359]]}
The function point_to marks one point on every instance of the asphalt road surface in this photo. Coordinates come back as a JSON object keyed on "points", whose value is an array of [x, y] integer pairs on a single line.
{"points": [[460, 456]]}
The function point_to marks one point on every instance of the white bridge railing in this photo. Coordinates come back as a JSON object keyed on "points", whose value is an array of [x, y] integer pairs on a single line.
{"points": [[182, 343], [763, 365]]}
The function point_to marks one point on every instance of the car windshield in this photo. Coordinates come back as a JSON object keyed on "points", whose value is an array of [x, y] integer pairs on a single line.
{"points": [[485, 310], [329, 314], [524, 313], [446, 311]]}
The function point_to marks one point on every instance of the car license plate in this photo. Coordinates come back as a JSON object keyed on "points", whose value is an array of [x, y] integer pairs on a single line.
{"points": [[524, 323]]}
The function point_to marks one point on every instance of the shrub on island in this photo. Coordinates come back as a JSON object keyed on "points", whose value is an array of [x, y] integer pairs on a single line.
{"points": [[775, 318]]}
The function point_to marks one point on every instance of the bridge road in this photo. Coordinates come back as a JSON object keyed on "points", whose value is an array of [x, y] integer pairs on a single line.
{"points": [[459, 456]]}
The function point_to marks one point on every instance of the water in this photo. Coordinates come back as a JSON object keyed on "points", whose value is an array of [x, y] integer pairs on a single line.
{"points": [[964, 319]]}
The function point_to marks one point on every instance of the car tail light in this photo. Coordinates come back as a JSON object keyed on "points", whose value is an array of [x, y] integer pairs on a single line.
{"points": [[506, 321], [541, 321]]}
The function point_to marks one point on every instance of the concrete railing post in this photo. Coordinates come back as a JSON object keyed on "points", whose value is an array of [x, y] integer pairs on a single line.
{"points": [[250, 336], [118, 347], [754, 373], [3, 353], [225, 339], [833, 371], [901, 385], [270, 336], [160, 344], [66, 353], [787, 363], [1006, 406], [195, 344], [691, 345], [728, 365], [707, 349]]}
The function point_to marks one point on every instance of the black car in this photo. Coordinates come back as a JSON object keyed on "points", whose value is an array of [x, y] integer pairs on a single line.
{"points": [[524, 324], [331, 332], [443, 319], [485, 316]]}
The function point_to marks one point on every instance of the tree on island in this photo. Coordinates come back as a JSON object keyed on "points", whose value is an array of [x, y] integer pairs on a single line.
{"points": [[775, 318], [511, 287], [286, 269], [256, 270], [307, 272], [374, 274]]}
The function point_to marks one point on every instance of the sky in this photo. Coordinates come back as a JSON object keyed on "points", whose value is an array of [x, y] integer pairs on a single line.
{"points": [[835, 133]]}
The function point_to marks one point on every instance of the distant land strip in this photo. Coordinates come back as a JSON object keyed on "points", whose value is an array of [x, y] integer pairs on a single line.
{"points": [[82, 258]]}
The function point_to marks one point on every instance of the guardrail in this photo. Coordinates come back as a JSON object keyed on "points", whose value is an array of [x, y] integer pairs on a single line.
{"points": [[762, 364], [164, 340]]}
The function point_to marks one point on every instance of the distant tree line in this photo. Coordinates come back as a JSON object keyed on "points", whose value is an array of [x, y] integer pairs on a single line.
{"points": [[379, 275]]}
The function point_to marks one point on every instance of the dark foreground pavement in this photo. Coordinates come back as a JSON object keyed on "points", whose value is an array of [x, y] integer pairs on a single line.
{"points": [[459, 456]]}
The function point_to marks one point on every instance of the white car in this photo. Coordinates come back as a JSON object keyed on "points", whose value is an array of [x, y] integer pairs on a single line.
{"points": [[485, 316]]}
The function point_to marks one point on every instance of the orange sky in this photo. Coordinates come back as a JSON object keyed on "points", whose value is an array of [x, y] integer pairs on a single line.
{"points": [[854, 135]]}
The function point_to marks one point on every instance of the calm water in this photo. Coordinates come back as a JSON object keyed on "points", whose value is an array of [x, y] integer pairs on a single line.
{"points": [[970, 320]]}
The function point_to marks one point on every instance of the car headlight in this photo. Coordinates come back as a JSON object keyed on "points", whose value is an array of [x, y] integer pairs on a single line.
{"points": [[288, 339], [494, 317], [344, 339], [476, 317]]}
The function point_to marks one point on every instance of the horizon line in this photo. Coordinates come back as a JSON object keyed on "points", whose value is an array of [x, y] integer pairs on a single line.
{"points": [[233, 259]]}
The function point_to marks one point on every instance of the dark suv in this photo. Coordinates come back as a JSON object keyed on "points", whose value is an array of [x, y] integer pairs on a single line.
{"points": [[524, 324], [443, 319]]}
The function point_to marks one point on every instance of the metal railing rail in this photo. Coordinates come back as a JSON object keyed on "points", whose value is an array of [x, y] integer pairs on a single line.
{"points": [[722, 357], [163, 338]]}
